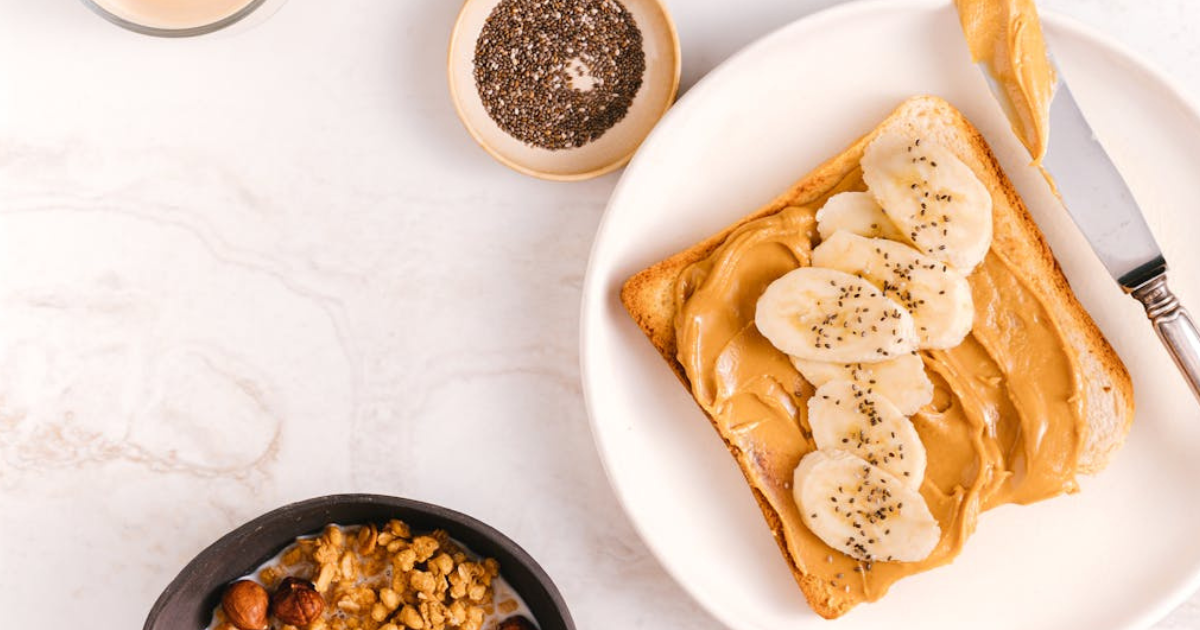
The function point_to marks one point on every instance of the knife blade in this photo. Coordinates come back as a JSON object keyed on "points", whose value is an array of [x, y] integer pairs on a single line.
{"points": [[1100, 202], [1106, 212]]}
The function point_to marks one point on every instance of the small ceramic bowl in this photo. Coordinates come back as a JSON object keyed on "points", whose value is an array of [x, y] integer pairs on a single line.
{"points": [[189, 600], [660, 84]]}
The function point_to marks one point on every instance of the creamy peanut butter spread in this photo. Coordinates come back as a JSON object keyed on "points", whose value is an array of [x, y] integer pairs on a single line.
{"points": [[1006, 35], [1005, 424]]}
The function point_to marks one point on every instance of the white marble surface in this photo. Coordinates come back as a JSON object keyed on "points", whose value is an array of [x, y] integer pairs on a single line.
{"points": [[252, 268]]}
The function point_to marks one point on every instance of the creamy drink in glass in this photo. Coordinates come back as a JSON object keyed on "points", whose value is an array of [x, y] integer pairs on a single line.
{"points": [[174, 18]]}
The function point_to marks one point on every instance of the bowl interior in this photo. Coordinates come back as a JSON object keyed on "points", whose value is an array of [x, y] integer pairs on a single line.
{"points": [[660, 82], [188, 602]]}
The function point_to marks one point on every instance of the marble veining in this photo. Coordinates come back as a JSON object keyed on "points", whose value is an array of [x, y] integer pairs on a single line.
{"points": [[270, 264]]}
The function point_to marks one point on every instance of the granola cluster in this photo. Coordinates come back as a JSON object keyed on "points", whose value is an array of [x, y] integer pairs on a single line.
{"points": [[388, 579]]}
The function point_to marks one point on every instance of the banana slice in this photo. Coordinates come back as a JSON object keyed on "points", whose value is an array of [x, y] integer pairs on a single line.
{"points": [[852, 417], [939, 298], [861, 510], [855, 212], [933, 198], [901, 380], [827, 315]]}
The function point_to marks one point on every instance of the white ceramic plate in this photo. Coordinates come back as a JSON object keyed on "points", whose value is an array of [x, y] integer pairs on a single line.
{"points": [[1121, 553]]}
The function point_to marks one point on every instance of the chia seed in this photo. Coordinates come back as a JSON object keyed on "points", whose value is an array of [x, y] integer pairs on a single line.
{"points": [[558, 74]]}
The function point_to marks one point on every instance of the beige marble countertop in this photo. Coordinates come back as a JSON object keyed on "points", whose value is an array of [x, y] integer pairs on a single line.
{"points": [[257, 267]]}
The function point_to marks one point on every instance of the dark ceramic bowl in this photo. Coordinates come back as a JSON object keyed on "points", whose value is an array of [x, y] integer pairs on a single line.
{"points": [[189, 600]]}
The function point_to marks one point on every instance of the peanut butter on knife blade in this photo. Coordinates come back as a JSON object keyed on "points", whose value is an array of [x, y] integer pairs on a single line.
{"points": [[1006, 37]]}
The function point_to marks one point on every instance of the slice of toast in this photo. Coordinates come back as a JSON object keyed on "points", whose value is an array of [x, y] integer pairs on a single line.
{"points": [[650, 297]]}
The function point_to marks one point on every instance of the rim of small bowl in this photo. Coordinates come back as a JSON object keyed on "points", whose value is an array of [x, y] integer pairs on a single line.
{"points": [[622, 160], [212, 558]]}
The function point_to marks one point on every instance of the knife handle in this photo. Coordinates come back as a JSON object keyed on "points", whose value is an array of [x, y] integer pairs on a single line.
{"points": [[1174, 326]]}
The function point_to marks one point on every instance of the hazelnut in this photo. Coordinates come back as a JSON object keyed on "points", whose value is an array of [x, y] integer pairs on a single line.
{"points": [[516, 622], [245, 605], [297, 603]]}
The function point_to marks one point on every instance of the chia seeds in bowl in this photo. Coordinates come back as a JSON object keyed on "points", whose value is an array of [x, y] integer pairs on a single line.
{"points": [[558, 74]]}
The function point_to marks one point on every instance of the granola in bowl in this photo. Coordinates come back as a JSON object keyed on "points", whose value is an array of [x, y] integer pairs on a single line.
{"points": [[369, 577]]}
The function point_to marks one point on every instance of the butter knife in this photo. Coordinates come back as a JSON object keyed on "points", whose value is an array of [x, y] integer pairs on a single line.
{"points": [[1104, 209]]}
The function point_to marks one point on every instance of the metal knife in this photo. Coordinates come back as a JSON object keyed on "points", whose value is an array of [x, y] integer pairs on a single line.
{"points": [[1105, 211]]}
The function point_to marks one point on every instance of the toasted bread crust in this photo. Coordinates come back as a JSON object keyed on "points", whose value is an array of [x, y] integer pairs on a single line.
{"points": [[649, 298]]}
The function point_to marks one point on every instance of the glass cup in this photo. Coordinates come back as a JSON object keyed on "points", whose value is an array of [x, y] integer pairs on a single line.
{"points": [[177, 18]]}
